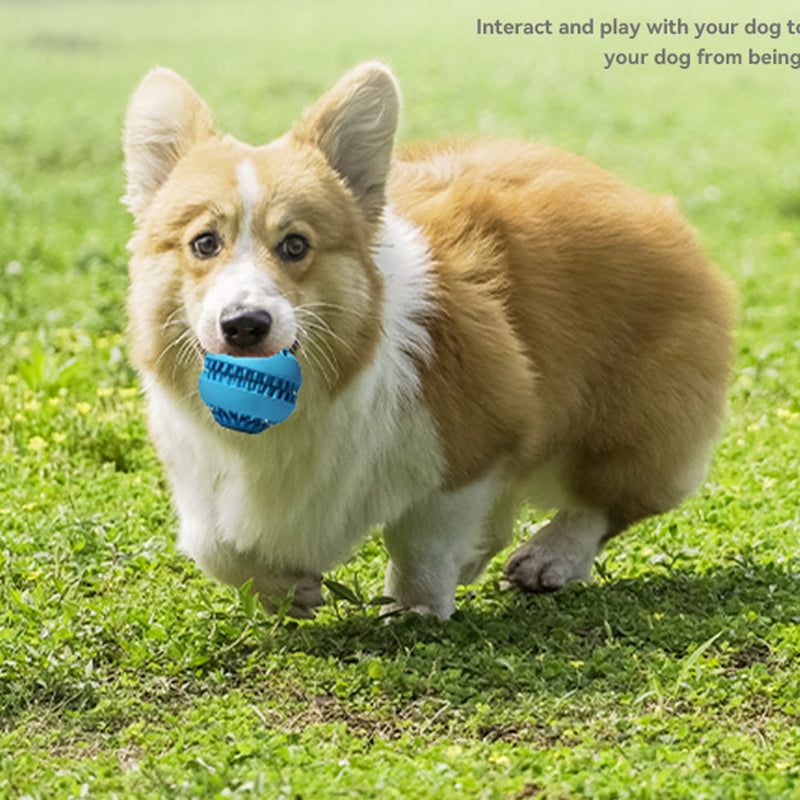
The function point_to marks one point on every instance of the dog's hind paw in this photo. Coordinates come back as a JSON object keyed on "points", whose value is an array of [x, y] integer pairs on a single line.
{"points": [[562, 551], [536, 570]]}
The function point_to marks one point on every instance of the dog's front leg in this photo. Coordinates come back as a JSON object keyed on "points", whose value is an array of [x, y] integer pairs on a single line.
{"points": [[272, 584], [304, 589], [435, 546]]}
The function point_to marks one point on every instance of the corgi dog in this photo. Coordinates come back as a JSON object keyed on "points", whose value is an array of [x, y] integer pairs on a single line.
{"points": [[480, 325]]}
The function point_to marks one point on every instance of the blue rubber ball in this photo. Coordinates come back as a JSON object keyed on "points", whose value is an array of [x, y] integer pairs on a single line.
{"points": [[250, 394]]}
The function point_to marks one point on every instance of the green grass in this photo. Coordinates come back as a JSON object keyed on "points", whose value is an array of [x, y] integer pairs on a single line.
{"points": [[126, 673]]}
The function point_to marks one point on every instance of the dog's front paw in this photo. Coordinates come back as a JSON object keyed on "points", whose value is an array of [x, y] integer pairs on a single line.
{"points": [[307, 597], [303, 588], [429, 594], [394, 609]]}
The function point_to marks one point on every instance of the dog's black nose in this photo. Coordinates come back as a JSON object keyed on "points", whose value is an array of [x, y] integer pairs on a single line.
{"points": [[245, 329]]}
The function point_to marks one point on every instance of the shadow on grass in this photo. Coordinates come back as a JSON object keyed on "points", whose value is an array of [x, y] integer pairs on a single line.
{"points": [[614, 638], [639, 643], [672, 611]]}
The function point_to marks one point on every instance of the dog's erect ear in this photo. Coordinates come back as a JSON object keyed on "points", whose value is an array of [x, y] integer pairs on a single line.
{"points": [[354, 125], [165, 119]]}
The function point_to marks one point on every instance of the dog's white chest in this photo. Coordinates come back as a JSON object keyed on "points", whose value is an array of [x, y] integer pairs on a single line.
{"points": [[305, 493]]}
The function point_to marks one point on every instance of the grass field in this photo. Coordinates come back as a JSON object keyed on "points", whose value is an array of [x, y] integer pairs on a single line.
{"points": [[126, 673]]}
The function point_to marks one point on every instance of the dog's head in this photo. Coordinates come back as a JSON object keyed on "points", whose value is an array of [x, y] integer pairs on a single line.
{"points": [[248, 250]]}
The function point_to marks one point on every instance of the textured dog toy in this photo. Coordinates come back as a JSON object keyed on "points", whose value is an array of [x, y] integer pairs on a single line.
{"points": [[250, 394]]}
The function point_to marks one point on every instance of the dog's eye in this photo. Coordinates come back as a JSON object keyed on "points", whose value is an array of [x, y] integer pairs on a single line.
{"points": [[206, 245], [293, 248]]}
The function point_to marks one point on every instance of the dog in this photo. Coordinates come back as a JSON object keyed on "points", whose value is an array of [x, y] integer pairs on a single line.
{"points": [[480, 325]]}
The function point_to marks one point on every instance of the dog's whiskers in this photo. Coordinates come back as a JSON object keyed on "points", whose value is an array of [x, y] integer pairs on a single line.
{"points": [[185, 347], [174, 319], [316, 353], [315, 322], [316, 334]]}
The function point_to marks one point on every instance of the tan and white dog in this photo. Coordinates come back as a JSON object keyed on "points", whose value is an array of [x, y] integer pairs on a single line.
{"points": [[480, 325]]}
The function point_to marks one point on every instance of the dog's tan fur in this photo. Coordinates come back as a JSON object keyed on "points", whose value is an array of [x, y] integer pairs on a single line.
{"points": [[572, 307]]}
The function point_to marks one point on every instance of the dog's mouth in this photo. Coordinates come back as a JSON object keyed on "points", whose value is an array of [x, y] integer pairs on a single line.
{"points": [[202, 352]]}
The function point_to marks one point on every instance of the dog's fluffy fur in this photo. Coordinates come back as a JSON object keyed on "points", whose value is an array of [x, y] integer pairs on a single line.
{"points": [[479, 325]]}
